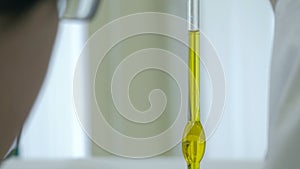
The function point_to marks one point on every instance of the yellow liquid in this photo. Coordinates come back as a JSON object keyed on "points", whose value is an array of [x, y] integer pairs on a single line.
{"points": [[193, 140], [193, 144]]}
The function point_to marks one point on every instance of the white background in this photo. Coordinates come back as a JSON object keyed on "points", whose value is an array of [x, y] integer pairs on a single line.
{"points": [[241, 31]]}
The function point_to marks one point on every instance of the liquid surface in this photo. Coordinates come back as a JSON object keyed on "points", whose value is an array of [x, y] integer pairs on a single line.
{"points": [[193, 140]]}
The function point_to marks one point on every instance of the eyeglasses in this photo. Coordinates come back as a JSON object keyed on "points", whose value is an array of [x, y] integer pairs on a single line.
{"points": [[77, 9]]}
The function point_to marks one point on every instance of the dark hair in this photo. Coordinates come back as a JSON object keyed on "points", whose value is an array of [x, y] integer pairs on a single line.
{"points": [[16, 7]]}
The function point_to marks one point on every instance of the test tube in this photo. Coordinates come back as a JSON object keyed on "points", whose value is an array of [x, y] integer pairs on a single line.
{"points": [[194, 140]]}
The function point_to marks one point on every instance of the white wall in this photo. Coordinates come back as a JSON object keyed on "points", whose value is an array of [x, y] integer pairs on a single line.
{"points": [[242, 32]]}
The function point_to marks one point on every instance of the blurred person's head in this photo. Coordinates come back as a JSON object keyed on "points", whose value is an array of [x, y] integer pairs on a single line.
{"points": [[27, 33]]}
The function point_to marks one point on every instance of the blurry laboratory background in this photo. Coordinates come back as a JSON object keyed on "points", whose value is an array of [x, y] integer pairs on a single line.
{"points": [[240, 30]]}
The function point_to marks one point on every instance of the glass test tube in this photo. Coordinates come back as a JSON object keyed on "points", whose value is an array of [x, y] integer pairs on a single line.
{"points": [[193, 140]]}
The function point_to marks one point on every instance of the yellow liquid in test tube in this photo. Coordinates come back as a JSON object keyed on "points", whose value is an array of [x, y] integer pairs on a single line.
{"points": [[193, 140]]}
